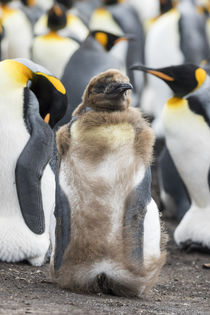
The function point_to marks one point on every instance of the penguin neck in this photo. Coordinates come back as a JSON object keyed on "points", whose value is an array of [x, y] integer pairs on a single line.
{"points": [[6, 9], [203, 93]]}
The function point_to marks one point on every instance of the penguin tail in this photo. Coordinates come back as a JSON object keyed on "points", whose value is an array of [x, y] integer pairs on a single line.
{"points": [[106, 284]]}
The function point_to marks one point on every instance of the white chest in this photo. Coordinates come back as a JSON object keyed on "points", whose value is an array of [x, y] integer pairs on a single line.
{"points": [[188, 141]]}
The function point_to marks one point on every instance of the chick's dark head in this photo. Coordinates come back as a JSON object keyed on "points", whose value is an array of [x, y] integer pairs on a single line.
{"points": [[108, 91]]}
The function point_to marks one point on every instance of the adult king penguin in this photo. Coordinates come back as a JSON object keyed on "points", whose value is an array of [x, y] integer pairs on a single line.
{"points": [[186, 120], [75, 26], [105, 152], [18, 31], [53, 50], [89, 60], [178, 36], [31, 102]]}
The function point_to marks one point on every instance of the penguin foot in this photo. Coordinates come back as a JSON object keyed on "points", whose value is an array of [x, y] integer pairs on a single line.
{"points": [[190, 246], [193, 231]]}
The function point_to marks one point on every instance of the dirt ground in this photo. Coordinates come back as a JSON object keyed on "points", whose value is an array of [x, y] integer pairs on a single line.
{"points": [[183, 288]]}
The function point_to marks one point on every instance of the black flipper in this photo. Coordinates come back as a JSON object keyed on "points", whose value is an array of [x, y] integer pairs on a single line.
{"points": [[172, 183], [31, 164], [62, 232], [135, 206]]}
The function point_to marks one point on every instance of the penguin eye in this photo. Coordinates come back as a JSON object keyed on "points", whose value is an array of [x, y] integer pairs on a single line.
{"points": [[99, 88]]}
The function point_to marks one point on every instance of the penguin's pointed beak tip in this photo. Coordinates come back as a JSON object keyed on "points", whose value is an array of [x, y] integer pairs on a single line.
{"points": [[119, 88]]}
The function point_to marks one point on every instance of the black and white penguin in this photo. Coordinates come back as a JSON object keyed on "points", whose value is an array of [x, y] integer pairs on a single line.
{"points": [[89, 60], [119, 17], [53, 50], [74, 26], [186, 121], [178, 36], [31, 103], [18, 31], [115, 240]]}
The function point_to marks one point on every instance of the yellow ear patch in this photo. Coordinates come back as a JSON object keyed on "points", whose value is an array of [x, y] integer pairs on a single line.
{"points": [[55, 82], [102, 38], [200, 75]]}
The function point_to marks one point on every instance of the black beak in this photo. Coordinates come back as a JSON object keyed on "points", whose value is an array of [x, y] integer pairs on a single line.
{"points": [[118, 88], [160, 73]]}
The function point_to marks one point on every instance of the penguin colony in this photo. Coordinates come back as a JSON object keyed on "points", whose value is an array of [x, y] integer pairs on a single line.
{"points": [[76, 151]]}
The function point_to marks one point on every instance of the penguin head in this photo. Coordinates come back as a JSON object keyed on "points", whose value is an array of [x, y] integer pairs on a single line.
{"points": [[108, 40], [182, 79], [57, 19], [110, 2], [68, 4], [20, 74], [166, 5], [28, 3], [107, 91]]}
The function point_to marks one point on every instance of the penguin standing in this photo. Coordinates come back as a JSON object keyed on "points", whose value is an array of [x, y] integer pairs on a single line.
{"points": [[18, 31], [178, 36], [52, 50], [120, 18], [186, 120], [75, 26], [31, 103], [89, 60], [115, 241]]}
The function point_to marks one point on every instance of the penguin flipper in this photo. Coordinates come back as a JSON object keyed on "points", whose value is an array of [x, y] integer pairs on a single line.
{"points": [[62, 231], [136, 205], [62, 208], [31, 164], [171, 184]]}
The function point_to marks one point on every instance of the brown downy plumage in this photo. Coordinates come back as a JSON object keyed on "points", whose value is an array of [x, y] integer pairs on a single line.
{"points": [[114, 245]]}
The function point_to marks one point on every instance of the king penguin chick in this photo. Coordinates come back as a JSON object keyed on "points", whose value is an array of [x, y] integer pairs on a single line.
{"points": [[18, 31], [186, 121], [115, 241], [53, 50], [89, 60], [31, 102]]}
